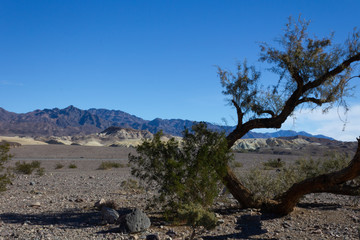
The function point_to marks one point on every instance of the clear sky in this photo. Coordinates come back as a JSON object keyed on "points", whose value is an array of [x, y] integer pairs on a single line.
{"points": [[152, 58]]}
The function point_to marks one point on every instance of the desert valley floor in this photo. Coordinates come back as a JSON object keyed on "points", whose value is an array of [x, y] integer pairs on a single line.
{"points": [[60, 204]]}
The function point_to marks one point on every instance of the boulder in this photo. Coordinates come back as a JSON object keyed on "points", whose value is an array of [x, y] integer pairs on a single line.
{"points": [[136, 221], [109, 215]]}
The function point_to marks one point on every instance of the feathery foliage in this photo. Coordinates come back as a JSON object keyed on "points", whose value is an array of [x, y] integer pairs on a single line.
{"points": [[183, 172], [5, 178]]}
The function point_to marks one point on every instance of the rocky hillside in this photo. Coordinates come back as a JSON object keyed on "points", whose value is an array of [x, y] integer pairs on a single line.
{"points": [[72, 121], [295, 145]]}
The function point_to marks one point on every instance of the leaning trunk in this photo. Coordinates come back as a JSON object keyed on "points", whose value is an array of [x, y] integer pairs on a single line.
{"points": [[239, 191], [331, 182]]}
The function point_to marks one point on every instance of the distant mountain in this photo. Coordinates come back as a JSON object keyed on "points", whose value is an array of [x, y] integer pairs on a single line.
{"points": [[73, 121], [288, 133]]}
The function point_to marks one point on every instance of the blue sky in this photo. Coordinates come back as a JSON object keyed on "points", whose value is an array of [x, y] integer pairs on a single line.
{"points": [[151, 58]]}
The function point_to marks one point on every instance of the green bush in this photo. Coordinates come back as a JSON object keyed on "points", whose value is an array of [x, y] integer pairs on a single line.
{"points": [[183, 172], [109, 164], [196, 216], [28, 168], [273, 163], [59, 166], [237, 165], [72, 165], [5, 178], [269, 184], [130, 184]]}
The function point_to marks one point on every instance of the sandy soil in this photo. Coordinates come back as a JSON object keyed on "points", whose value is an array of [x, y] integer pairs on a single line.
{"points": [[59, 205]]}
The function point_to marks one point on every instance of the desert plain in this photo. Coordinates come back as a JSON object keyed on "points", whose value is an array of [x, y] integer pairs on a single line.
{"points": [[60, 204]]}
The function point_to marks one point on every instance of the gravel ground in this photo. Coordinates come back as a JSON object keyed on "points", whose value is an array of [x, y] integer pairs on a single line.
{"points": [[59, 205]]}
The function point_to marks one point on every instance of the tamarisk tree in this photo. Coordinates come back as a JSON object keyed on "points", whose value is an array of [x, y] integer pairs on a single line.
{"points": [[312, 72]]}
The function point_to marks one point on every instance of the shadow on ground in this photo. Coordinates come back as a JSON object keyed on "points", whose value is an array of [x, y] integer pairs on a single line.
{"points": [[71, 218], [248, 226]]}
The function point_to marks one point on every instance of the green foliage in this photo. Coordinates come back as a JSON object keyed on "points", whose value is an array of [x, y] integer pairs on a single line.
{"points": [[183, 172], [273, 163], [72, 165], [59, 166], [237, 164], [196, 216], [5, 178], [40, 171], [109, 164], [131, 184], [267, 185], [28, 168]]}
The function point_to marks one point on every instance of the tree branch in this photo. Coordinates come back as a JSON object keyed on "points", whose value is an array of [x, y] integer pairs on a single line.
{"points": [[341, 67], [239, 112], [323, 183], [343, 189], [294, 73], [290, 104], [268, 112], [317, 101]]}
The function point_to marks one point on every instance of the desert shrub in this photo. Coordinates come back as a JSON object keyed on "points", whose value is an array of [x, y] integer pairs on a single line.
{"points": [[109, 164], [130, 184], [5, 178], [72, 165], [183, 172], [40, 171], [271, 184], [260, 182], [29, 168], [59, 166], [237, 164], [196, 216], [273, 163]]}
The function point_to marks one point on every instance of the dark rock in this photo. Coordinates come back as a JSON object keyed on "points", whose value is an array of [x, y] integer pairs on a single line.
{"points": [[109, 215], [152, 237], [136, 221], [171, 233]]}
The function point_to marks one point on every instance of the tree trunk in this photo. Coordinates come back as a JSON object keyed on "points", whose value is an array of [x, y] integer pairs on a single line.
{"points": [[323, 183], [331, 183], [239, 191]]}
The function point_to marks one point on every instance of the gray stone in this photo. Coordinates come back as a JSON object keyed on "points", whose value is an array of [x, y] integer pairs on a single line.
{"points": [[109, 215], [136, 221]]}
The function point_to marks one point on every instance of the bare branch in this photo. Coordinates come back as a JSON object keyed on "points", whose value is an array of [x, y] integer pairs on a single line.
{"points": [[318, 102], [240, 114], [341, 67], [268, 112]]}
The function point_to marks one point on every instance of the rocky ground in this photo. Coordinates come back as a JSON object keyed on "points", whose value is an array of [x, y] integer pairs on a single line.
{"points": [[60, 204]]}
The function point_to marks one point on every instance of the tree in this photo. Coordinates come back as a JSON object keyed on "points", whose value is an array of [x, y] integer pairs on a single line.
{"points": [[5, 178], [312, 72]]}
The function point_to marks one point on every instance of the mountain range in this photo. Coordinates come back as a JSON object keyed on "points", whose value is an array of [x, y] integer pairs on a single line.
{"points": [[73, 121]]}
